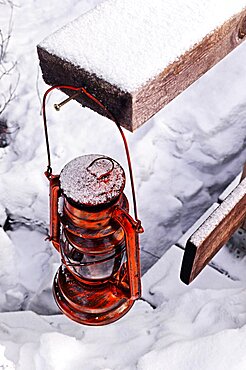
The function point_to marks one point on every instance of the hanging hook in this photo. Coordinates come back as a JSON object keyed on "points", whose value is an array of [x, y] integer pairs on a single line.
{"points": [[58, 106]]}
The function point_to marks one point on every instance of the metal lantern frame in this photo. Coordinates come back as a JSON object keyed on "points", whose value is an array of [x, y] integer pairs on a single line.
{"points": [[106, 299]]}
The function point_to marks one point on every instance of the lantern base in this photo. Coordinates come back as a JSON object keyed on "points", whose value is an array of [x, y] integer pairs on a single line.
{"points": [[89, 305]]}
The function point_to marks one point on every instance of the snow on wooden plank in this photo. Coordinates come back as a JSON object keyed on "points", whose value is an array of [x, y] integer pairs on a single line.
{"points": [[136, 56], [214, 233]]}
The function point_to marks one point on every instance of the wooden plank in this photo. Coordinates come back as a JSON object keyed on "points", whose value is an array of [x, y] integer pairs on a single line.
{"points": [[243, 176], [190, 66], [133, 107], [244, 172], [56, 71], [214, 233]]}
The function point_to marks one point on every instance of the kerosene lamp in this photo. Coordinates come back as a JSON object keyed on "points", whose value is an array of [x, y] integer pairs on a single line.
{"points": [[90, 225]]}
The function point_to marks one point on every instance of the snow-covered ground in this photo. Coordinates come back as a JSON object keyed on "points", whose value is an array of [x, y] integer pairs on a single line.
{"points": [[183, 158], [203, 327]]}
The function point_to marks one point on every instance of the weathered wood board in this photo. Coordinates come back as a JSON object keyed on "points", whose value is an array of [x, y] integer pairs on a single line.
{"points": [[214, 233], [244, 176], [134, 106]]}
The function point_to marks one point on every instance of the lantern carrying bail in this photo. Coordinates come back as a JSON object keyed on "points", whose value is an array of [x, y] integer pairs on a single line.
{"points": [[82, 90], [107, 173]]}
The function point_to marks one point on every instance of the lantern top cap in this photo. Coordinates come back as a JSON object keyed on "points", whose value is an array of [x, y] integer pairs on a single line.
{"points": [[92, 180]]}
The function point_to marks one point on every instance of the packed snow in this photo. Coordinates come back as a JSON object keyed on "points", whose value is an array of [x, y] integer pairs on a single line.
{"points": [[196, 328], [128, 43], [182, 159]]}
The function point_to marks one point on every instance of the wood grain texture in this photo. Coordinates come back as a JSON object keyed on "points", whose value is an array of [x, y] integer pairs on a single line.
{"points": [[214, 233], [135, 108], [244, 172], [243, 176]]}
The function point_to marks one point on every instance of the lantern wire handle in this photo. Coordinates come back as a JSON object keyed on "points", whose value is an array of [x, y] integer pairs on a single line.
{"points": [[48, 172], [107, 173]]}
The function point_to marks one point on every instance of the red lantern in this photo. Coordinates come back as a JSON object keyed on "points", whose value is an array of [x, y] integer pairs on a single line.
{"points": [[91, 227]]}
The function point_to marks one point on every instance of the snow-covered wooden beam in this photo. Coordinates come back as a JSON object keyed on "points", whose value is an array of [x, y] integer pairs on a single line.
{"points": [[214, 233], [136, 56]]}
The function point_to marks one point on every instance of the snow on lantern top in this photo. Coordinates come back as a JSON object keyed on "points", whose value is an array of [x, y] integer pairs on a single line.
{"points": [[92, 180]]}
